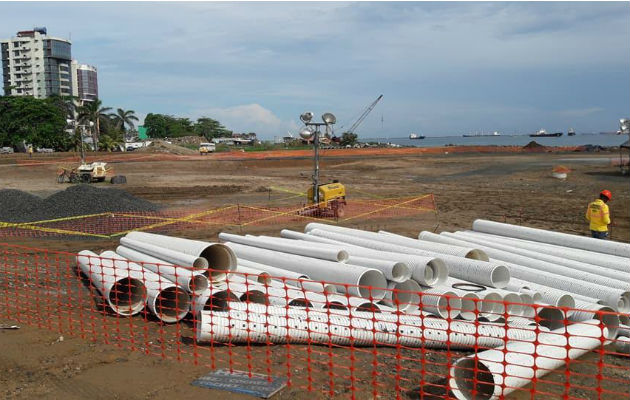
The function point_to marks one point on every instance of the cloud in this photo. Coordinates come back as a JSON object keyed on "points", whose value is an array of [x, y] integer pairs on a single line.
{"points": [[249, 118]]}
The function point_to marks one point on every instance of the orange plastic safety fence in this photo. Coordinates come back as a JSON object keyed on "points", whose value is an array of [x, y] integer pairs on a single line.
{"points": [[390, 344], [108, 225]]}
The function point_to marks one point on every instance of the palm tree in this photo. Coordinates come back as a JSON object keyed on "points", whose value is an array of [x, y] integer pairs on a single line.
{"points": [[94, 112], [122, 117]]}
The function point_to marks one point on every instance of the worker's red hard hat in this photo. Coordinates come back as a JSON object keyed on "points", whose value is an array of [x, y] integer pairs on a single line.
{"points": [[606, 193]]}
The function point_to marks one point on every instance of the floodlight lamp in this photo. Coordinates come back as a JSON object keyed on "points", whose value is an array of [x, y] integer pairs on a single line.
{"points": [[329, 118], [306, 117], [306, 133], [91, 124], [70, 122]]}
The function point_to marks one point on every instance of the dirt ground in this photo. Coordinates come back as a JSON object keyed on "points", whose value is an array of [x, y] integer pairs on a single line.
{"points": [[502, 186]]}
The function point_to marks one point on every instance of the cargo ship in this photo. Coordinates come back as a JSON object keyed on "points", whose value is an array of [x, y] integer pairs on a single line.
{"points": [[495, 133], [543, 133], [415, 136]]}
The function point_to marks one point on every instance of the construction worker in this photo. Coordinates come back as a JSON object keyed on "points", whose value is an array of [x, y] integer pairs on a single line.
{"points": [[598, 215], [30, 151]]}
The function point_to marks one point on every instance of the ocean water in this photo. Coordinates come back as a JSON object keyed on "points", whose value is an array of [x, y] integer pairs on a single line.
{"points": [[506, 140]]}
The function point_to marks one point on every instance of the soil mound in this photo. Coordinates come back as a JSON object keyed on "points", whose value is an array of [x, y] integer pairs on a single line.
{"points": [[18, 206], [160, 146], [533, 145]]}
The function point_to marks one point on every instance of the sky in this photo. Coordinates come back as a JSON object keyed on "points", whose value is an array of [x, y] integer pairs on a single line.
{"points": [[444, 68]]}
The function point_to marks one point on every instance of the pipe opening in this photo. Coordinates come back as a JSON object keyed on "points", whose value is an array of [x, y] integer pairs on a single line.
{"points": [[624, 303], [254, 296], [473, 379], [400, 272], [264, 278], [440, 270], [172, 304], [200, 263], [127, 296], [468, 309], [342, 256], [220, 259], [492, 307], [219, 301], [335, 305], [528, 310], [610, 320], [301, 303], [475, 254], [566, 300], [198, 284], [512, 305], [500, 276], [551, 317], [368, 307], [372, 284]]}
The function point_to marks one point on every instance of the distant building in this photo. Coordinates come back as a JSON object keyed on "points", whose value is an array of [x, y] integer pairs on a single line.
{"points": [[84, 82], [35, 64]]}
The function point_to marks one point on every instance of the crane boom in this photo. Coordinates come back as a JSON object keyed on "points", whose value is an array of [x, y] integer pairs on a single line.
{"points": [[364, 115]]}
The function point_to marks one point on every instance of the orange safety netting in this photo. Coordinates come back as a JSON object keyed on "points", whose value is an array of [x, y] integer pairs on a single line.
{"points": [[395, 359], [114, 224]]}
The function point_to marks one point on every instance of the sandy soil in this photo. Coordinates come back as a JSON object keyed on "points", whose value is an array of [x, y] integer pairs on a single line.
{"points": [[512, 187]]}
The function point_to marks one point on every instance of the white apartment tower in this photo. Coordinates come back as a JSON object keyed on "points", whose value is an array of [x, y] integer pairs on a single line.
{"points": [[35, 64], [84, 82]]}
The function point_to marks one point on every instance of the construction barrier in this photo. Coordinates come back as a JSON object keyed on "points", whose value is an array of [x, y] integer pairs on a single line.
{"points": [[234, 217], [320, 341]]}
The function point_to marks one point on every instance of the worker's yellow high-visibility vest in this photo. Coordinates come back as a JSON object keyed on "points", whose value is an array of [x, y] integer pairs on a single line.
{"points": [[597, 214]]}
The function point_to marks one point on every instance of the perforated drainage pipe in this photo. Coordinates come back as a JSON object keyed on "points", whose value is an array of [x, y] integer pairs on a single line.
{"points": [[256, 323], [124, 295], [362, 282], [330, 254], [213, 298], [278, 274], [193, 281], [403, 295], [167, 301], [544, 236], [495, 373], [220, 258], [485, 273]]}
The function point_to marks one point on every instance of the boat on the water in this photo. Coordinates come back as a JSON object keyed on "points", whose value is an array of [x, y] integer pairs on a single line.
{"points": [[495, 133], [543, 133], [571, 132], [416, 136]]}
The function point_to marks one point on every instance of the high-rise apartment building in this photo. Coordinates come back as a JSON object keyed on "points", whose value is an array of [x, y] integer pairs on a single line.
{"points": [[35, 64], [84, 82]]}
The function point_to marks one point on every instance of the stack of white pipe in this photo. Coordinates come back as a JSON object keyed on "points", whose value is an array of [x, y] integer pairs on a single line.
{"points": [[613, 292]]}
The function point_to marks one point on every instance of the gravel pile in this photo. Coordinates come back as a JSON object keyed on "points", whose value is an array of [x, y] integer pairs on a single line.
{"points": [[18, 206]]}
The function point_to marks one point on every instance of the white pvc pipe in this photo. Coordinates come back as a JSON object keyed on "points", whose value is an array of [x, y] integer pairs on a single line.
{"points": [[395, 271], [193, 281], [329, 254], [622, 345], [363, 282], [527, 259], [541, 254], [459, 251], [490, 274], [541, 293], [403, 296], [266, 324], [495, 373], [214, 298], [428, 271], [168, 255], [124, 295], [604, 260], [167, 301], [399, 240], [441, 301], [584, 311], [545, 236], [220, 258], [616, 298], [252, 275], [282, 275]]}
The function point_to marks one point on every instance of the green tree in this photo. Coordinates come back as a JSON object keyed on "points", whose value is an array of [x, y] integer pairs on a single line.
{"points": [[156, 125], [124, 117], [25, 119], [210, 128], [348, 138], [95, 112]]}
